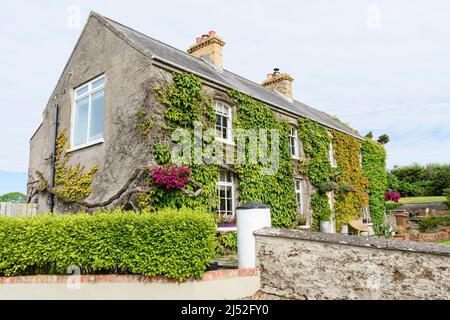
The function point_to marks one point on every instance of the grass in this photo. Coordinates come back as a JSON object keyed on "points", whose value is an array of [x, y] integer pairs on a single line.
{"points": [[447, 242], [422, 199]]}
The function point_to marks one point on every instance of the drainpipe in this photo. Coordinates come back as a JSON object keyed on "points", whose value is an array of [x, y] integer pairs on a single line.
{"points": [[51, 199]]}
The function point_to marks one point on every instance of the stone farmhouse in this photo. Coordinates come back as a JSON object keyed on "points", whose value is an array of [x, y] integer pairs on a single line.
{"points": [[95, 101]]}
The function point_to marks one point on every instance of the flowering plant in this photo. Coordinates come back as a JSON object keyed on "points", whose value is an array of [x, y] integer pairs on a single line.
{"points": [[392, 196], [171, 176], [227, 221]]}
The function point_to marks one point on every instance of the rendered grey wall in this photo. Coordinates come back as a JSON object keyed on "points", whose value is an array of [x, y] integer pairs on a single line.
{"points": [[129, 73]]}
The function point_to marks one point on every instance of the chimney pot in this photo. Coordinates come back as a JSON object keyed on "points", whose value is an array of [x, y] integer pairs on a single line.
{"points": [[212, 33], [205, 36], [198, 39]]}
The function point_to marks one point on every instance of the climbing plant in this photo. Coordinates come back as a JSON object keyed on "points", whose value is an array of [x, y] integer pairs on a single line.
{"points": [[351, 196], [144, 121], [321, 210], [316, 144], [72, 183], [374, 169], [275, 190], [185, 104]]}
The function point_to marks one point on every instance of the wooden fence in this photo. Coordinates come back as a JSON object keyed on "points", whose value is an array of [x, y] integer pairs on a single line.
{"points": [[18, 209]]}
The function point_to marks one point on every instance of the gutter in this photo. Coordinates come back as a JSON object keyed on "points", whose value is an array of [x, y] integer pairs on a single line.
{"points": [[51, 197]]}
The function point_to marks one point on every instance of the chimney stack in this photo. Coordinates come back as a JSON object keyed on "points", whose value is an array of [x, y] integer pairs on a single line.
{"points": [[208, 46], [281, 82]]}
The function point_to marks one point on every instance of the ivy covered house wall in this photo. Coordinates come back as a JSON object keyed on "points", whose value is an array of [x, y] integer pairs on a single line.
{"points": [[145, 99]]}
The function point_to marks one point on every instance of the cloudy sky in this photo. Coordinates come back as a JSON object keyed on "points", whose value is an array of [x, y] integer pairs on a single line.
{"points": [[381, 66]]}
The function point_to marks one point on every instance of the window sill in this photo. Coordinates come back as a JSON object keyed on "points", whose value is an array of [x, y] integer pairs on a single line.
{"points": [[86, 145], [228, 142], [226, 229]]}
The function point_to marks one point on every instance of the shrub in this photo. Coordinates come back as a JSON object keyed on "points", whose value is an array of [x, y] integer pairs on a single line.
{"points": [[174, 243], [226, 243], [392, 196], [447, 195], [430, 222]]}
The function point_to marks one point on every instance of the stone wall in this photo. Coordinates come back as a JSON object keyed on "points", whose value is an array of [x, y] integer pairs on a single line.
{"points": [[307, 265], [425, 208]]}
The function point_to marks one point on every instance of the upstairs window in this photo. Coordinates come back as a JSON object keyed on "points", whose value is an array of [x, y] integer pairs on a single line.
{"points": [[225, 191], [223, 121], [293, 143], [89, 112]]}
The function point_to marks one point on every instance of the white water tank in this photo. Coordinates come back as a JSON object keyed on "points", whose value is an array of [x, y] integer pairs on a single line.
{"points": [[251, 216]]}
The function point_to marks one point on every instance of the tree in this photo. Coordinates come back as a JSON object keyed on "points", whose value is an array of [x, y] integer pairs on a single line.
{"points": [[15, 197], [439, 179], [383, 139]]}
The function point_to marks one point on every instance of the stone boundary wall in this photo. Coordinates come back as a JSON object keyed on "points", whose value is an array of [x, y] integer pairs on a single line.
{"points": [[309, 265], [431, 207]]}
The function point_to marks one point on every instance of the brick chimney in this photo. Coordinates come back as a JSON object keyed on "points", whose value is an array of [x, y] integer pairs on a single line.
{"points": [[208, 46], [281, 82]]}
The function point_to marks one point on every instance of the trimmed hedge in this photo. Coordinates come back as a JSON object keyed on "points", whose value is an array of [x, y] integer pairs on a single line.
{"points": [[174, 243]]}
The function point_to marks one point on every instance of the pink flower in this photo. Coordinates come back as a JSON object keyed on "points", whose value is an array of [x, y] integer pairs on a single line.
{"points": [[171, 176]]}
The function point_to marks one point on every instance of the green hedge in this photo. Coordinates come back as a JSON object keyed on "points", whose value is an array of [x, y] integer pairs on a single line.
{"points": [[174, 243]]}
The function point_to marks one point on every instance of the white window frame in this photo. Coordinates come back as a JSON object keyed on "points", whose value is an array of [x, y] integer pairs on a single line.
{"points": [[299, 194], [233, 187], [366, 216], [293, 135], [331, 201], [76, 98], [331, 155], [229, 116]]}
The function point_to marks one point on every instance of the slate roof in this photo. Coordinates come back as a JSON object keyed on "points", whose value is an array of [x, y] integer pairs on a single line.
{"points": [[182, 60]]}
